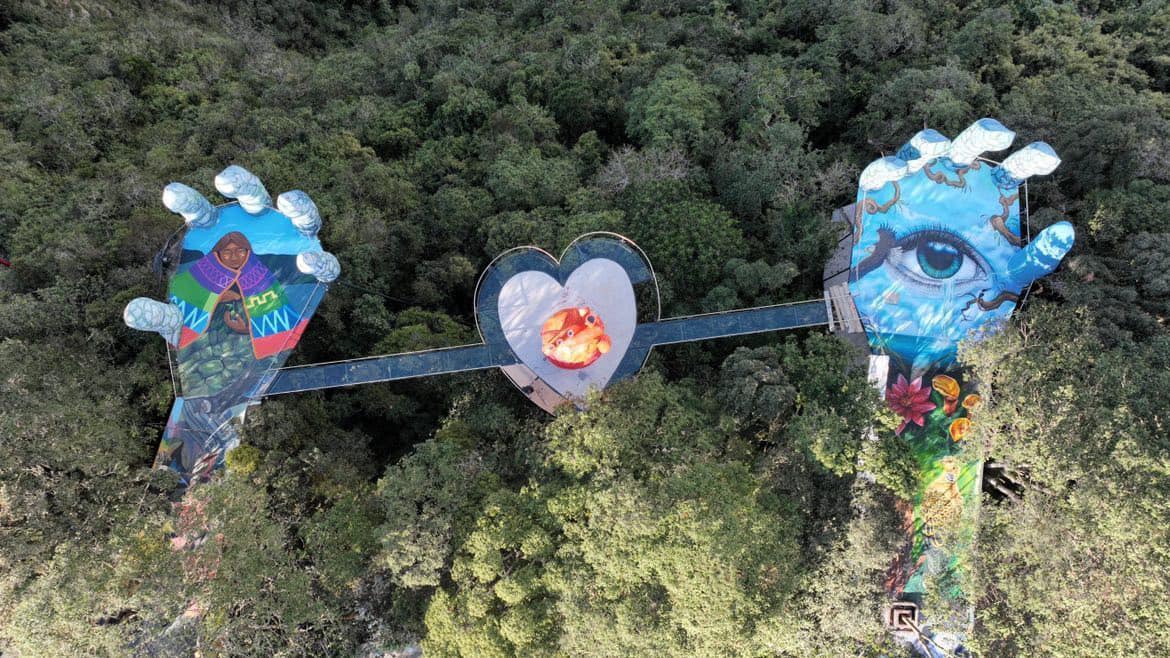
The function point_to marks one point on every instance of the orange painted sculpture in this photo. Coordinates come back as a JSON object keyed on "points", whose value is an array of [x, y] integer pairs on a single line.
{"points": [[573, 338]]}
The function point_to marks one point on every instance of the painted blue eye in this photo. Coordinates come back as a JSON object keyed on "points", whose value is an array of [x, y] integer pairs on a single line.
{"points": [[939, 260], [931, 258]]}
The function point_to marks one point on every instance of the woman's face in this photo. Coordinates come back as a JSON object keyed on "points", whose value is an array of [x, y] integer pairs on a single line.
{"points": [[233, 256]]}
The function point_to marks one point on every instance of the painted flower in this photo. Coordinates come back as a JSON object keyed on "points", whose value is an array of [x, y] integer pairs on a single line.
{"points": [[971, 401], [910, 401], [948, 388], [959, 429]]}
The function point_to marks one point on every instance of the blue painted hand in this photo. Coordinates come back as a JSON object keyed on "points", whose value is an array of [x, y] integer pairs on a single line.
{"points": [[248, 279], [937, 251]]}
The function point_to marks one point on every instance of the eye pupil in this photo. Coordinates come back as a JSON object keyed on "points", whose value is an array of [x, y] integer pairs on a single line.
{"points": [[939, 260]]}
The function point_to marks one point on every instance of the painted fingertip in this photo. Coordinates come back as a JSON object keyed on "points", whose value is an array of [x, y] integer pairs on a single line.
{"points": [[171, 194], [233, 180], [321, 264], [1056, 240], [1042, 255], [301, 211], [186, 201], [145, 314], [1035, 159], [881, 171], [306, 261], [981, 137], [238, 183], [923, 147]]}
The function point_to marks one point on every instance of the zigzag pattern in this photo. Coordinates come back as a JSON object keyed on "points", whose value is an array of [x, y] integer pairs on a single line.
{"points": [[282, 319], [194, 318]]}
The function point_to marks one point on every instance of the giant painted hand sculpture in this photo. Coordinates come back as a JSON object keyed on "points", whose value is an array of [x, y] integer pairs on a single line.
{"points": [[937, 255], [937, 249], [249, 278]]}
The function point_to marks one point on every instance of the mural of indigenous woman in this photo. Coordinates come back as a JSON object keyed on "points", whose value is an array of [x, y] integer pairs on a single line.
{"points": [[235, 311], [245, 286], [938, 256]]}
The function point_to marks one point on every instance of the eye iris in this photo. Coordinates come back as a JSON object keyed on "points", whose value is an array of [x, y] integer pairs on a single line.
{"points": [[939, 260]]}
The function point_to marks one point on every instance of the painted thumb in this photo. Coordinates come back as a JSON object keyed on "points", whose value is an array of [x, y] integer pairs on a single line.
{"points": [[1041, 256]]}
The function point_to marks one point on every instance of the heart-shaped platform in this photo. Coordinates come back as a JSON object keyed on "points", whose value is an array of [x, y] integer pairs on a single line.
{"points": [[570, 322]]}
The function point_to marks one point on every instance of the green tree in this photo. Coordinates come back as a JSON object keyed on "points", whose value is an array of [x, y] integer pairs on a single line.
{"points": [[524, 178], [675, 108], [640, 538], [687, 238], [431, 499], [1076, 567]]}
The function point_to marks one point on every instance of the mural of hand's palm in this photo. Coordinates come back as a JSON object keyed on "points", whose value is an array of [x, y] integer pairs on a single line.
{"points": [[937, 248], [247, 281], [249, 193]]}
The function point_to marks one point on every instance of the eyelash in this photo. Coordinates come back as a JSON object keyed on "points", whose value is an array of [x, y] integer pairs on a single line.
{"points": [[914, 237], [926, 228], [916, 241]]}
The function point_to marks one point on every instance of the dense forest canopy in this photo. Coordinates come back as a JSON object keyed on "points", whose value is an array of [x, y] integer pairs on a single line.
{"points": [[712, 507]]}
